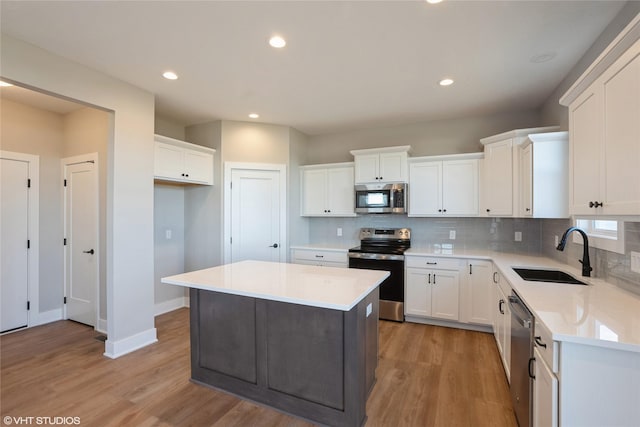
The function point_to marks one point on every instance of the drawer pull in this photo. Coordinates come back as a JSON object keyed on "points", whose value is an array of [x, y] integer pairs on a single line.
{"points": [[319, 256], [539, 342], [431, 263]]}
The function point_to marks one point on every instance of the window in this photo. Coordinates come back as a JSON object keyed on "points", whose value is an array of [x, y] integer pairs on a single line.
{"points": [[606, 234]]}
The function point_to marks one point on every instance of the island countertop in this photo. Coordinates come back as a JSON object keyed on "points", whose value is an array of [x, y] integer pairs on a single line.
{"points": [[324, 287]]}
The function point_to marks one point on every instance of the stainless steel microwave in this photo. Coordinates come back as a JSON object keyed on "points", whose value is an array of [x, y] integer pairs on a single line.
{"points": [[381, 198]]}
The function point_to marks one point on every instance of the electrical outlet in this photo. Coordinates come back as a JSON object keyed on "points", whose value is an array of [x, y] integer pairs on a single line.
{"points": [[518, 236], [635, 261], [556, 241], [167, 234], [339, 232], [452, 234]]}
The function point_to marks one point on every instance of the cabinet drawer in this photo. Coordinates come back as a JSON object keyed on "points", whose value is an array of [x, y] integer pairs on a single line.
{"points": [[546, 346], [318, 255], [432, 263]]}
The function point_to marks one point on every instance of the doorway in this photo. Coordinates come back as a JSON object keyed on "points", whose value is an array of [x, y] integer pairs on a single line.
{"points": [[81, 230], [255, 212], [20, 242]]}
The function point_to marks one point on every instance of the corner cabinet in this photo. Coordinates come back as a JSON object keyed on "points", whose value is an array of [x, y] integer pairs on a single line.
{"points": [[379, 165], [501, 172], [604, 127], [327, 190], [544, 176], [444, 185], [182, 162]]}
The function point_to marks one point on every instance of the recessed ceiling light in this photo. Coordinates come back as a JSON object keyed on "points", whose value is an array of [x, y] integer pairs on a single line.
{"points": [[254, 115], [277, 42], [446, 82], [5, 84], [542, 57], [433, 1], [170, 75]]}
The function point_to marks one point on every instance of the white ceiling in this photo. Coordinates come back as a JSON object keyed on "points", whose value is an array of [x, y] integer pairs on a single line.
{"points": [[347, 65]]}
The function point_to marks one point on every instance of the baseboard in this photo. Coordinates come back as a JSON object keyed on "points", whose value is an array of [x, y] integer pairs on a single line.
{"points": [[174, 304], [47, 317], [115, 349], [450, 324], [102, 326]]}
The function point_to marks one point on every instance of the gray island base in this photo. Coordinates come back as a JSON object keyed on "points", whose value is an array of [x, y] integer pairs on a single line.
{"points": [[312, 362], [298, 338]]}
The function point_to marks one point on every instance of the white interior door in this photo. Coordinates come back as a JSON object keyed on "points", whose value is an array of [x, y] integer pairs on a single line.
{"points": [[81, 230], [14, 234], [257, 215]]}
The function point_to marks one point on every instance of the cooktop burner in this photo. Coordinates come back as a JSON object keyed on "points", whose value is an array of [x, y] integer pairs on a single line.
{"points": [[384, 241]]}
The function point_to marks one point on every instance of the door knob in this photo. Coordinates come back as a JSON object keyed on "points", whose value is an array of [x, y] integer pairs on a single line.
{"points": [[275, 245], [89, 252]]}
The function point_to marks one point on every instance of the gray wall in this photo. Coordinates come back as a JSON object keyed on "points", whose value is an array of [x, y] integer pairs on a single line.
{"points": [[461, 135], [33, 131]]}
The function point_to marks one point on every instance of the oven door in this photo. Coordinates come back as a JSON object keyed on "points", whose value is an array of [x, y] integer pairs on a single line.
{"points": [[392, 289]]}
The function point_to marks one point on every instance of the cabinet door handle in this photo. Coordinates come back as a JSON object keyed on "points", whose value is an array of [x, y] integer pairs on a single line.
{"points": [[90, 251], [500, 306], [470, 268], [488, 210], [531, 374], [495, 277], [434, 278], [539, 342]]}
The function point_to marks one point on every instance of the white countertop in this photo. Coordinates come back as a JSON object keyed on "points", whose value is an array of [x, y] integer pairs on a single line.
{"points": [[325, 287], [599, 314]]}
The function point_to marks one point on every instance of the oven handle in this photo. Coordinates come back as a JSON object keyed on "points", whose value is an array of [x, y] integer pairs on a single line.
{"points": [[383, 257]]}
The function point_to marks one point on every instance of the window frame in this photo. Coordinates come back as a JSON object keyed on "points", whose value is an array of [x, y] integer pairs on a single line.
{"points": [[601, 238]]}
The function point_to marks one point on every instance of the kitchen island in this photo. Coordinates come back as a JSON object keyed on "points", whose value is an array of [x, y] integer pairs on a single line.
{"points": [[301, 339]]}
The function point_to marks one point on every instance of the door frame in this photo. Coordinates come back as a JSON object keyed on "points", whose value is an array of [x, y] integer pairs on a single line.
{"points": [[33, 259], [68, 161], [229, 167]]}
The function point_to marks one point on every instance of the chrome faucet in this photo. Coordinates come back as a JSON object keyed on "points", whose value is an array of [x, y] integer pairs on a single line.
{"points": [[586, 265]]}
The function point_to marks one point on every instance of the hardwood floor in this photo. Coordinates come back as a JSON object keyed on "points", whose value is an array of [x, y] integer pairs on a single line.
{"points": [[427, 376]]}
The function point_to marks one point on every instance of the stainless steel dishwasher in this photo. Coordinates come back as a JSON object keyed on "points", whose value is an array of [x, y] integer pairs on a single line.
{"points": [[521, 360]]}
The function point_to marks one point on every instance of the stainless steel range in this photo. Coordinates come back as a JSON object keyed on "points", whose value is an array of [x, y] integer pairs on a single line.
{"points": [[383, 249]]}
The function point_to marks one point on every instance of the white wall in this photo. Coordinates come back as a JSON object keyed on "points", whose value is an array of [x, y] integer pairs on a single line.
{"points": [[129, 185]]}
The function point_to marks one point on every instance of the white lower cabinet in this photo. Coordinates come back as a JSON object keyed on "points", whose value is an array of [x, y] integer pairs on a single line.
{"points": [[478, 293], [432, 288], [545, 394], [320, 257], [502, 320]]}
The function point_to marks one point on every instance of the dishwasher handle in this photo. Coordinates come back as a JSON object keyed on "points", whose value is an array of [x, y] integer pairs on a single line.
{"points": [[519, 312]]}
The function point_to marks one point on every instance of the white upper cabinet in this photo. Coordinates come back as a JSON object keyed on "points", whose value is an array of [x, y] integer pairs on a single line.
{"points": [[544, 175], [501, 172], [444, 185], [604, 126], [379, 165], [327, 190], [180, 161]]}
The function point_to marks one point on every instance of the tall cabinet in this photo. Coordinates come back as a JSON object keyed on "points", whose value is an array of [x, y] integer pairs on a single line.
{"points": [[604, 127]]}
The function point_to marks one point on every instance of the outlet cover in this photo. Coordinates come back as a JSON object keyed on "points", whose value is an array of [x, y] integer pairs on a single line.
{"points": [[452, 234], [556, 240], [635, 261], [167, 234], [518, 236], [339, 232]]}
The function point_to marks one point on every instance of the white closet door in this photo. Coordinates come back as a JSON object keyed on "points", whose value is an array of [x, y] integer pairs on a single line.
{"points": [[14, 208]]}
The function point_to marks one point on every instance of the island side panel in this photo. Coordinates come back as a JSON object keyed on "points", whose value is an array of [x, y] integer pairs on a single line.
{"points": [[371, 339], [355, 347], [305, 352]]}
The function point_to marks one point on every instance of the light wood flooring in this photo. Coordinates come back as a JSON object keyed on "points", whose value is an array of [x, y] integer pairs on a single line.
{"points": [[427, 376]]}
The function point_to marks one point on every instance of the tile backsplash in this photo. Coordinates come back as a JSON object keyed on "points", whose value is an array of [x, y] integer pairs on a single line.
{"points": [[496, 234], [613, 267], [471, 233]]}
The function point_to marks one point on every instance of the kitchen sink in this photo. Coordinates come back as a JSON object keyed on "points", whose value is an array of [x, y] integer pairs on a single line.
{"points": [[554, 276]]}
